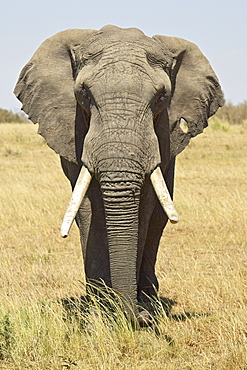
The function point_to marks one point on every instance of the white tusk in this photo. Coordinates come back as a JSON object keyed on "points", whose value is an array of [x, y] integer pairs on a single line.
{"points": [[79, 192], [163, 194]]}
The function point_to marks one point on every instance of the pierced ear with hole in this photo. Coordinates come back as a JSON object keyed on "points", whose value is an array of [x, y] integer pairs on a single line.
{"points": [[183, 125], [196, 92]]}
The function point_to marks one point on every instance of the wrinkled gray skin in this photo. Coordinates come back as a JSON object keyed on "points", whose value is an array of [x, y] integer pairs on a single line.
{"points": [[113, 99]]}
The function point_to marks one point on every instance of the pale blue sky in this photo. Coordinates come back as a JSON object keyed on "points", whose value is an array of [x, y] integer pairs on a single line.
{"points": [[218, 27]]}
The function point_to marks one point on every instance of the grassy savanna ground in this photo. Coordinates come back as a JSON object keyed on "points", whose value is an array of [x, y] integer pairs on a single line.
{"points": [[202, 265]]}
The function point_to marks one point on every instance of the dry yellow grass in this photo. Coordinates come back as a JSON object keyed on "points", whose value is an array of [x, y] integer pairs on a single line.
{"points": [[202, 265]]}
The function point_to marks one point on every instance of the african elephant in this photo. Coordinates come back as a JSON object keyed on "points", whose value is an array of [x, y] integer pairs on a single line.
{"points": [[111, 103]]}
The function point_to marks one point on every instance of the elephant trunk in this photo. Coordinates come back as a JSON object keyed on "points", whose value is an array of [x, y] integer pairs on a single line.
{"points": [[121, 202]]}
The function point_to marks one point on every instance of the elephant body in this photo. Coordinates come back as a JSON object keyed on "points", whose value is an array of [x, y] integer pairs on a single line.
{"points": [[112, 101]]}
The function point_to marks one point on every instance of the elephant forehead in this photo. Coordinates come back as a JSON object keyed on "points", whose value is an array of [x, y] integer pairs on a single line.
{"points": [[114, 52], [113, 71], [125, 63]]}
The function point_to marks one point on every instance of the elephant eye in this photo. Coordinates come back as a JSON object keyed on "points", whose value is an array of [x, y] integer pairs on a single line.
{"points": [[160, 101], [161, 97], [84, 97], [84, 93]]}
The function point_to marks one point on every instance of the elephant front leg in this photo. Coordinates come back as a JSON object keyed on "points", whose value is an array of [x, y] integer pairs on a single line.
{"points": [[147, 281], [91, 222]]}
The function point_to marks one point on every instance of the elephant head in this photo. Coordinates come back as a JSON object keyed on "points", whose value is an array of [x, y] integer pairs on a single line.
{"points": [[112, 101]]}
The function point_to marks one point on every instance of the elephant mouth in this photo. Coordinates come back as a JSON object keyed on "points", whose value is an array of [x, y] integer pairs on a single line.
{"points": [[82, 185]]}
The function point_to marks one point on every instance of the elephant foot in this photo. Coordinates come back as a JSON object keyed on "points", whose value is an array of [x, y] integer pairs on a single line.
{"points": [[144, 319]]}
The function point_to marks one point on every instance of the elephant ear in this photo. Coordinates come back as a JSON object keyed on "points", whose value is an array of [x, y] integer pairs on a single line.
{"points": [[196, 92], [46, 89]]}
